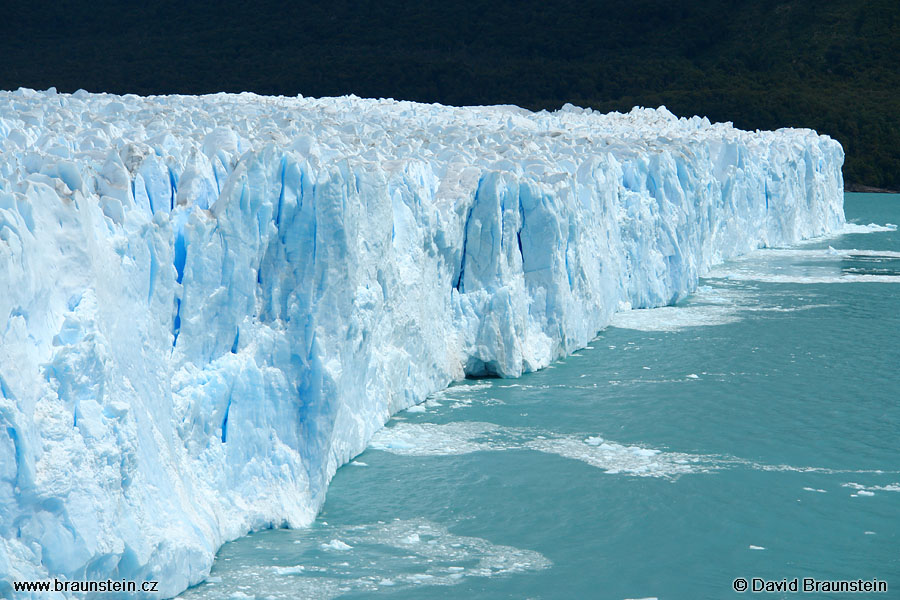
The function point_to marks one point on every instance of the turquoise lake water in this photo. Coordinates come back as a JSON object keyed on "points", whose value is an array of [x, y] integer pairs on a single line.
{"points": [[751, 431]]}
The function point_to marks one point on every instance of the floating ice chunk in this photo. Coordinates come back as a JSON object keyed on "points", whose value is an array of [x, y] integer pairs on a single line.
{"points": [[430, 439], [810, 279], [296, 569], [336, 545], [437, 562], [672, 318], [868, 490], [850, 228]]}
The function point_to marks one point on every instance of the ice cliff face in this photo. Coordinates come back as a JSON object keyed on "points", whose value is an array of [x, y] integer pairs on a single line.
{"points": [[213, 302]]}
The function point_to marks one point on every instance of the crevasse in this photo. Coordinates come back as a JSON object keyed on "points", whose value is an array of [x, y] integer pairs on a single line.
{"points": [[211, 303]]}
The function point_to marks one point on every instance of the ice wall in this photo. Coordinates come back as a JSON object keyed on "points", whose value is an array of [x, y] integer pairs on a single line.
{"points": [[212, 302]]}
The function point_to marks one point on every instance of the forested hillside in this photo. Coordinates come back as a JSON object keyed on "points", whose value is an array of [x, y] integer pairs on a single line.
{"points": [[832, 65]]}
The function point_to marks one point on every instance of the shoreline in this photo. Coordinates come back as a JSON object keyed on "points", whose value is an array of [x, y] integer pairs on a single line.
{"points": [[867, 189]]}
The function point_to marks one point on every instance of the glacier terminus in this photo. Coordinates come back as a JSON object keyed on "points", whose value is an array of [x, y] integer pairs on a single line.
{"points": [[209, 304]]}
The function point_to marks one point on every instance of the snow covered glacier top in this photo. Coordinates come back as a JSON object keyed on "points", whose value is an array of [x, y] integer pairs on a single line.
{"points": [[212, 302]]}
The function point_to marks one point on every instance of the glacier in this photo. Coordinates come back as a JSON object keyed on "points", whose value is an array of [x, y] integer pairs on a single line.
{"points": [[211, 303]]}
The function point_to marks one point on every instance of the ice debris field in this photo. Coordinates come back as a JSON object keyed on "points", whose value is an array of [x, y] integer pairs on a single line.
{"points": [[211, 303]]}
